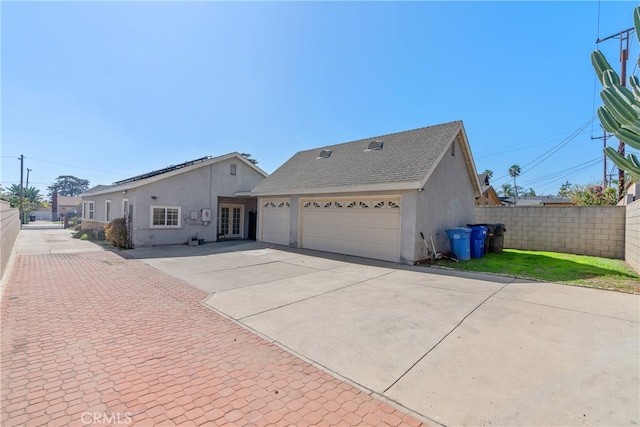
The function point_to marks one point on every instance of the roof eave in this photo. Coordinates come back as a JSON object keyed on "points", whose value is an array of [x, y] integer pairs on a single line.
{"points": [[366, 188], [140, 183], [468, 159]]}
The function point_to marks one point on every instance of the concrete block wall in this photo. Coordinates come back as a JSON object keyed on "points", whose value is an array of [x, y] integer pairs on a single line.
{"points": [[582, 230], [632, 236], [9, 229]]}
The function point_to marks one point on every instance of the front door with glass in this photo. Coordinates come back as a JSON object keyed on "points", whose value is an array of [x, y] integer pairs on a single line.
{"points": [[231, 221]]}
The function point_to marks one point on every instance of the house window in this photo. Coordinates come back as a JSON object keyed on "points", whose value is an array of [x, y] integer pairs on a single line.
{"points": [[165, 216], [125, 207], [233, 169], [107, 210], [84, 209], [92, 209]]}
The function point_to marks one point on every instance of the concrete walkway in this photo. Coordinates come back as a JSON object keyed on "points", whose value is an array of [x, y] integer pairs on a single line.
{"points": [[459, 349], [91, 338]]}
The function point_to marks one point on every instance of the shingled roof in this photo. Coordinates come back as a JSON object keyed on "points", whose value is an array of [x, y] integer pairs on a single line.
{"points": [[405, 161]]}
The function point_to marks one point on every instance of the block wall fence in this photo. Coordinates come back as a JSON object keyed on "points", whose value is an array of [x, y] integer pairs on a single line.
{"points": [[632, 236], [9, 229], [582, 230]]}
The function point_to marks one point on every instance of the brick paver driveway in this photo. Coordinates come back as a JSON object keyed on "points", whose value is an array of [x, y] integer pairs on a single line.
{"points": [[91, 338]]}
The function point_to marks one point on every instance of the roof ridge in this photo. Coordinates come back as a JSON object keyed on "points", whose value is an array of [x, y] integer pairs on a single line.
{"points": [[382, 136], [410, 130]]}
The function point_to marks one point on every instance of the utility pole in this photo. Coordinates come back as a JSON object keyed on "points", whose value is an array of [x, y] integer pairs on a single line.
{"points": [[624, 56], [21, 158], [604, 144]]}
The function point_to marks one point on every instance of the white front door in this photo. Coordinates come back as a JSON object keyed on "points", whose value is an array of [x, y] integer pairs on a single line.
{"points": [[231, 219]]}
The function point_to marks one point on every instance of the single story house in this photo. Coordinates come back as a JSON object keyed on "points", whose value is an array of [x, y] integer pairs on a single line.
{"points": [[207, 197], [489, 196], [373, 197]]}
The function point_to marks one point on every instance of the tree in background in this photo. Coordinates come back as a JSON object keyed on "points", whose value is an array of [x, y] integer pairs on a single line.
{"points": [[32, 198], [506, 190], [619, 114], [593, 195], [248, 157], [68, 185], [489, 173], [514, 171], [565, 189]]}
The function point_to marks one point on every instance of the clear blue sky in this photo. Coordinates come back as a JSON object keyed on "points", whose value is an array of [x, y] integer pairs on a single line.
{"points": [[108, 90]]}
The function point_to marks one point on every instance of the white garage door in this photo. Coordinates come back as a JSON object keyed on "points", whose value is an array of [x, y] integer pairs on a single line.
{"points": [[367, 227], [275, 214]]}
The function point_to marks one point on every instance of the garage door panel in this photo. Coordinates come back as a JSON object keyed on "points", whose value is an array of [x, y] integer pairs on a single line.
{"points": [[360, 230], [365, 234], [275, 222]]}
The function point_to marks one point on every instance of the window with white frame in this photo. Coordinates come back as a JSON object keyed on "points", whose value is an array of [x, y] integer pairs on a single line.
{"points": [[165, 216], [92, 209], [107, 210]]}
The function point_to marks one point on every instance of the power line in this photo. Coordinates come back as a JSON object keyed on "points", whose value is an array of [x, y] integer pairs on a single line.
{"points": [[565, 173], [544, 156], [78, 167]]}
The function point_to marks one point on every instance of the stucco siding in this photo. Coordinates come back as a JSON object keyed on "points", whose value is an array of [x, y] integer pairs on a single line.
{"points": [[191, 191], [448, 200]]}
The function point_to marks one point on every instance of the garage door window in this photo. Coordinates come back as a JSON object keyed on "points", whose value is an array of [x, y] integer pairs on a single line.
{"points": [[351, 204]]}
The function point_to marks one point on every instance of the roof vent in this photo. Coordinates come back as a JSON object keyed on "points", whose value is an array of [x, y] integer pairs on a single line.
{"points": [[375, 145], [324, 154]]}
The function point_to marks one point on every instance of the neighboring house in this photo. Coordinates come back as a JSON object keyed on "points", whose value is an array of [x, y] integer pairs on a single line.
{"points": [[632, 193], [489, 195], [63, 205], [43, 214], [543, 201], [208, 197], [373, 197]]}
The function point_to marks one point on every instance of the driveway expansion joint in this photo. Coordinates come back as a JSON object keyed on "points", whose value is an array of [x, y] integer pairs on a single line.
{"points": [[445, 336]]}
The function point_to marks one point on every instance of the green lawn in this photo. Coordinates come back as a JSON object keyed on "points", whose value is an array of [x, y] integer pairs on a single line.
{"points": [[555, 267]]}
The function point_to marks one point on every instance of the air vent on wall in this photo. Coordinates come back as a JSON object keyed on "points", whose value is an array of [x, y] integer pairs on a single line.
{"points": [[375, 145], [324, 154]]}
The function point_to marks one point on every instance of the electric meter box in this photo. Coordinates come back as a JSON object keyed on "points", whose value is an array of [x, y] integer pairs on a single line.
{"points": [[206, 215]]}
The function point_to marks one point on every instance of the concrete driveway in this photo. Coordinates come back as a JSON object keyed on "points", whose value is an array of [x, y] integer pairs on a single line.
{"points": [[459, 349]]}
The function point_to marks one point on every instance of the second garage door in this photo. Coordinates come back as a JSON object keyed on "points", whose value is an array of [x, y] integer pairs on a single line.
{"points": [[275, 221], [366, 227]]}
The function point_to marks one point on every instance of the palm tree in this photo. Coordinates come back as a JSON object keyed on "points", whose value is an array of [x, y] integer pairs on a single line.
{"points": [[506, 189], [489, 173], [514, 171]]}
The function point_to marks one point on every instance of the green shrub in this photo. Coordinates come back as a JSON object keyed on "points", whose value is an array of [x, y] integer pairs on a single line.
{"points": [[89, 234], [116, 233]]}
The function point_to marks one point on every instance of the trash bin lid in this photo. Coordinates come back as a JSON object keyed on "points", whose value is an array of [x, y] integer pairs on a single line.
{"points": [[458, 232]]}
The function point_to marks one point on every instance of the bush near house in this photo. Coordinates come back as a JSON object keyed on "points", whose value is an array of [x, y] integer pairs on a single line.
{"points": [[116, 233], [89, 234]]}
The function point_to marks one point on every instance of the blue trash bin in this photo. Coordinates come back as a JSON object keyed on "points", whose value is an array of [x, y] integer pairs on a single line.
{"points": [[460, 246], [478, 236]]}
